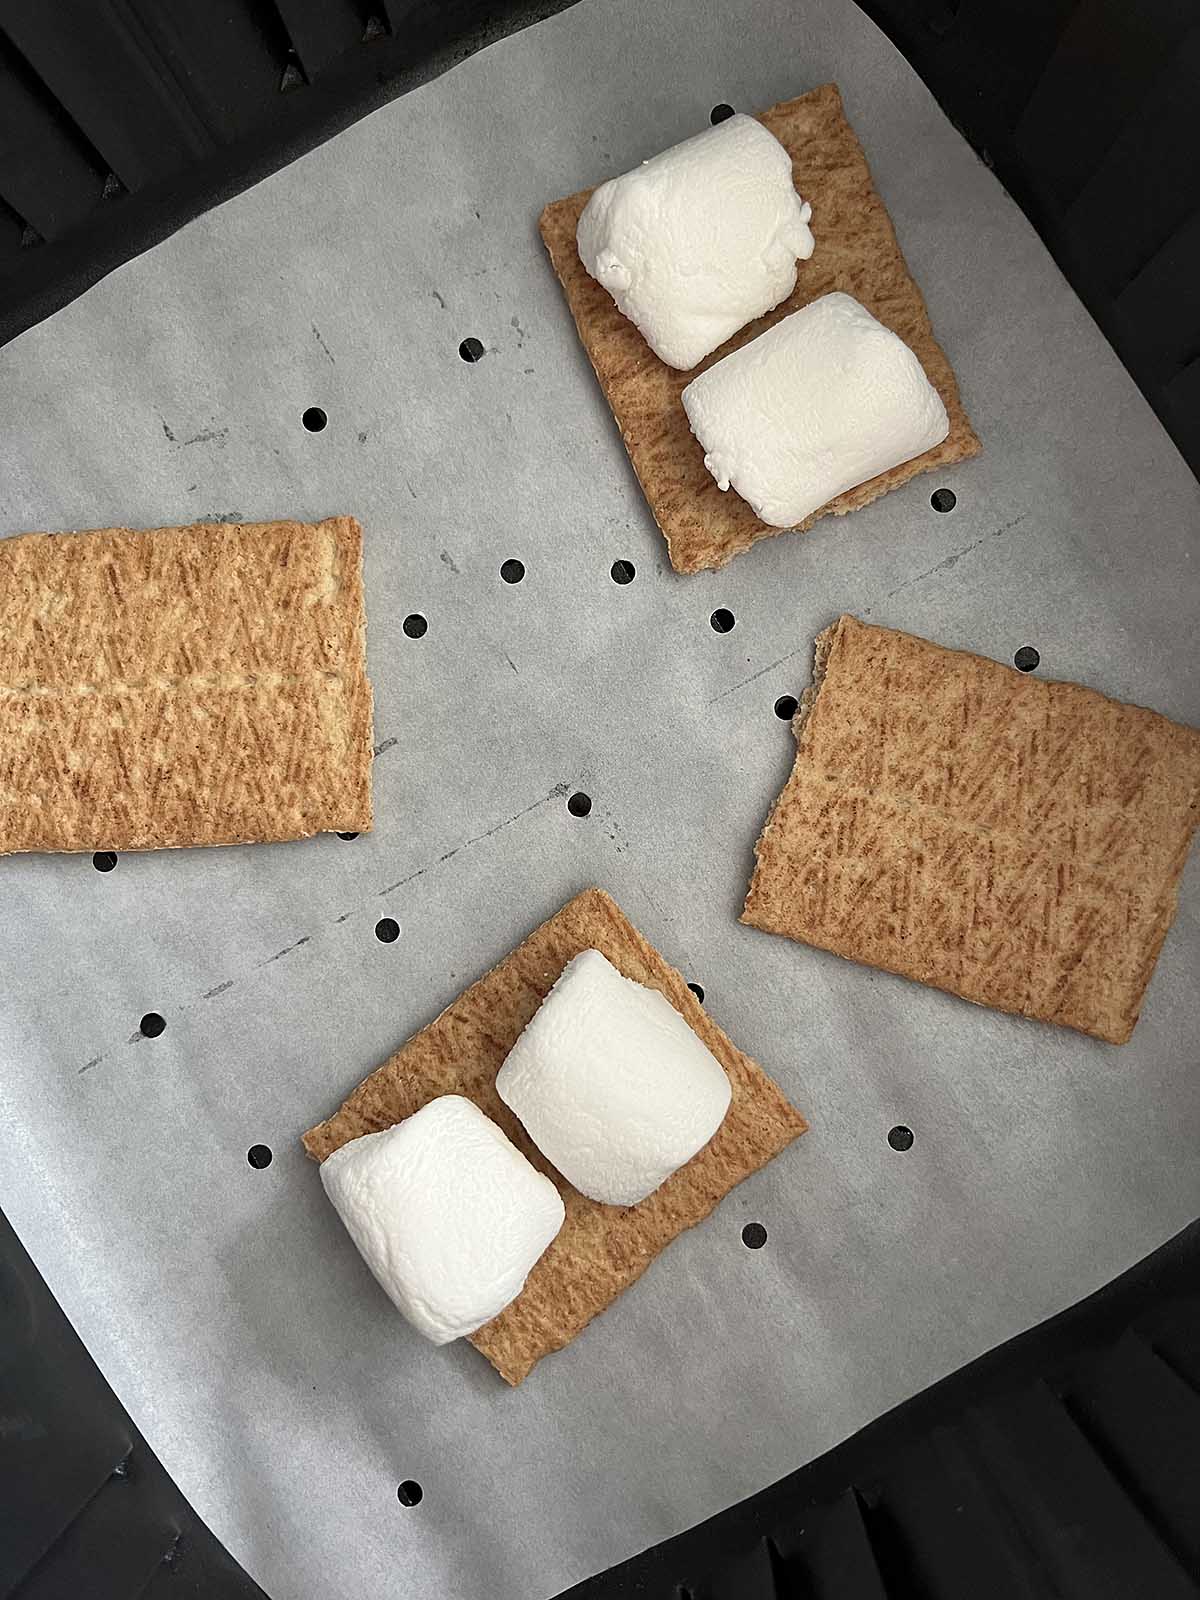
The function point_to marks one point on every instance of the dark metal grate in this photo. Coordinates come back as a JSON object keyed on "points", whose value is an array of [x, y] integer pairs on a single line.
{"points": [[120, 122], [1063, 1466]]}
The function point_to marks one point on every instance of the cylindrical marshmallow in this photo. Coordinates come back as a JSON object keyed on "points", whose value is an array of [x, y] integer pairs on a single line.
{"points": [[611, 1084], [824, 400], [698, 241], [447, 1213]]}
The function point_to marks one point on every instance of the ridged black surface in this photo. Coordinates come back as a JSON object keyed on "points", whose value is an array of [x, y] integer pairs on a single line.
{"points": [[122, 119], [86, 1510], [1064, 1465], [1089, 112]]}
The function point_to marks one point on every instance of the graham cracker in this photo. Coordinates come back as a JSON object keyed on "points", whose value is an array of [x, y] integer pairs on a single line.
{"points": [[601, 1249], [183, 686], [1015, 841], [856, 251]]}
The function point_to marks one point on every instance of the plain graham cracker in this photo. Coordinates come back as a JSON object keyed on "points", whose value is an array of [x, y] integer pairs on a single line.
{"points": [[183, 686], [856, 251], [600, 1249], [1015, 841]]}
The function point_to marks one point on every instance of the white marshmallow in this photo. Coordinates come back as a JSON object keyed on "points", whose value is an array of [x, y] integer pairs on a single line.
{"points": [[447, 1212], [698, 241], [824, 400], [611, 1084]]}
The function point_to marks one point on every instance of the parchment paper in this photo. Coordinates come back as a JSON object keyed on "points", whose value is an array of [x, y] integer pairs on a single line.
{"points": [[224, 1303]]}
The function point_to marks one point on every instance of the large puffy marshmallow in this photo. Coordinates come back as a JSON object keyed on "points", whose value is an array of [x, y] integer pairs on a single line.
{"points": [[698, 241], [824, 400], [611, 1084], [448, 1214]]}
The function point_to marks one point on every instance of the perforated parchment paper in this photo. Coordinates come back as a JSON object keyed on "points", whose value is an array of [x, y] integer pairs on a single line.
{"points": [[223, 1302]]}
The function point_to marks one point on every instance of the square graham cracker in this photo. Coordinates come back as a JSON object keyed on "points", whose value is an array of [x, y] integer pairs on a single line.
{"points": [[856, 251], [600, 1249], [183, 686], [1015, 841]]}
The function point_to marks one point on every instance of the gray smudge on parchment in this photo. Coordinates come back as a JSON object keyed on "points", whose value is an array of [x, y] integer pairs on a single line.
{"points": [[321, 342], [556, 793], [205, 436], [286, 951], [952, 560]]}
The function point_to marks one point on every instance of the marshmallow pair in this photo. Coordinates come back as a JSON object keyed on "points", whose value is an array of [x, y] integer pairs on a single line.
{"points": [[701, 240], [612, 1086]]}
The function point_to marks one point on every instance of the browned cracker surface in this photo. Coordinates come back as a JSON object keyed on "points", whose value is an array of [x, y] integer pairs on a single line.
{"points": [[180, 686], [856, 251], [1015, 841], [600, 1250]]}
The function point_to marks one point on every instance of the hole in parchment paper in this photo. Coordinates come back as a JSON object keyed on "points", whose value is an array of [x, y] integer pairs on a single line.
{"points": [[579, 804], [259, 1155], [410, 1493], [314, 419], [415, 626], [104, 860], [512, 571], [470, 350], [722, 621], [785, 707], [622, 572], [387, 930], [698, 990], [754, 1236], [347, 836], [1026, 658], [721, 113], [152, 1025], [900, 1137], [943, 499]]}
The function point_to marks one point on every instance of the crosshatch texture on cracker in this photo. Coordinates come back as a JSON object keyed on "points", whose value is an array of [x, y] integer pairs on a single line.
{"points": [[183, 686], [856, 251], [1013, 840], [600, 1250]]}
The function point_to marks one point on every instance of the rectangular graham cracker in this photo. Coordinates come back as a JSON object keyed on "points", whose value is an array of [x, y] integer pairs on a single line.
{"points": [[856, 251], [183, 686], [1015, 841], [601, 1249]]}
